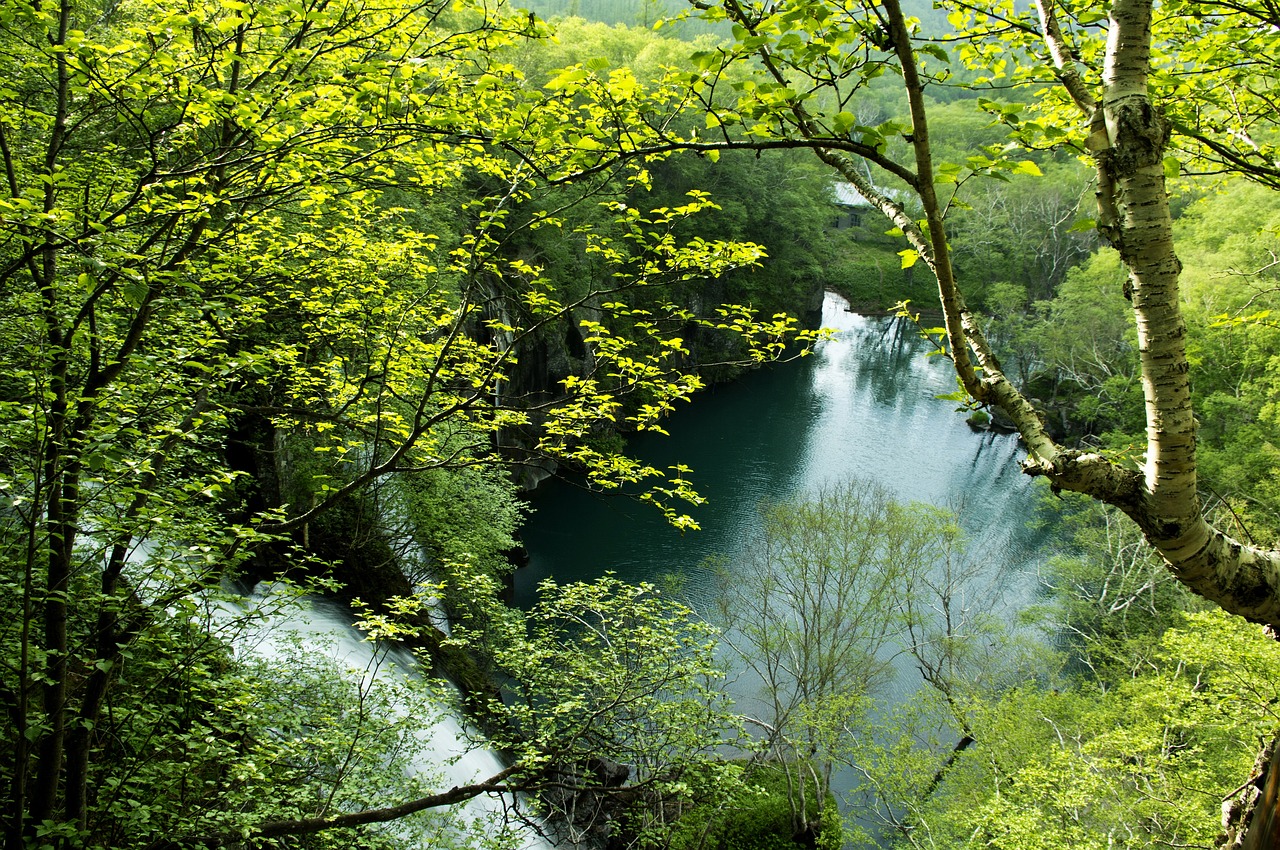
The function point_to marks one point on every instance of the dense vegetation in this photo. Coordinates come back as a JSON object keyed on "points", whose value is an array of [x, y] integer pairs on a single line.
{"points": [[299, 292], [286, 290]]}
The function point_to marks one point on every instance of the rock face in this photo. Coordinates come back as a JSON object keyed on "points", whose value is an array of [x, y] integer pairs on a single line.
{"points": [[557, 350], [589, 802]]}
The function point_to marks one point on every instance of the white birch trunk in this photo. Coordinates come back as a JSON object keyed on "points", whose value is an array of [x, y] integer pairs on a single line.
{"points": [[1128, 137], [1134, 215], [1128, 141]]}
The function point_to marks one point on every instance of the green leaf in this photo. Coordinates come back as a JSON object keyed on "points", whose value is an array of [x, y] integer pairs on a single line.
{"points": [[567, 78], [936, 51], [842, 122]]}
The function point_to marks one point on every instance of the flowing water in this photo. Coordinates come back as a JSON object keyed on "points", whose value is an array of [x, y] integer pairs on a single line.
{"points": [[448, 752]]}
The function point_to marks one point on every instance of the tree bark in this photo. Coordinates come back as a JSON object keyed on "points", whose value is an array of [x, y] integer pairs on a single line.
{"points": [[1128, 144], [61, 475]]}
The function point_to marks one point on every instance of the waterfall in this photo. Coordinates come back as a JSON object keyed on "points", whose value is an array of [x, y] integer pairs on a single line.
{"points": [[441, 750]]}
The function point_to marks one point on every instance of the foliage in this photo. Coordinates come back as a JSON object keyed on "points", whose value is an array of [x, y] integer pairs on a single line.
{"points": [[1085, 349], [1111, 598], [815, 59], [1123, 87], [871, 276], [1230, 236], [197, 730], [607, 674], [1022, 231], [836, 585], [444, 505], [253, 267], [759, 816], [1084, 364], [645, 14], [783, 203], [269, 271], [1139, 764], [333, 737]]}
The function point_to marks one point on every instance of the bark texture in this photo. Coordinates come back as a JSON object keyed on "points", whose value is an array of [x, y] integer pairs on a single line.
{"points": [[1250, 818], [1128, 144]]}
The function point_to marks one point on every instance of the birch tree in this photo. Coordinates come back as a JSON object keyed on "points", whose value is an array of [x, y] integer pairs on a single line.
{"points": [[1142, 93], [1120, 81]]}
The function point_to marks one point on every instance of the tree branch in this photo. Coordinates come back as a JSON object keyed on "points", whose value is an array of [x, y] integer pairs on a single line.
{"points": [[495, 784]]}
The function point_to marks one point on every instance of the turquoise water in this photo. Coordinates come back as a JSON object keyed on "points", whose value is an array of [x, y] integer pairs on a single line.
{"points": [[863, 407]]}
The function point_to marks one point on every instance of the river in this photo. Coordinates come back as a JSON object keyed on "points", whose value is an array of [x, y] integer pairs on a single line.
{"points": [[863, 407], [441, 749]]}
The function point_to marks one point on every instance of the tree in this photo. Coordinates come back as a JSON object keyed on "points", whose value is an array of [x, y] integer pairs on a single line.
{"points": [[814, 59], [1227, 240], [1087, 354], [1154, 89], [1145, 762], [252, 269], [815, 613], [1023, 231], [614, 692], [1111, 597]]}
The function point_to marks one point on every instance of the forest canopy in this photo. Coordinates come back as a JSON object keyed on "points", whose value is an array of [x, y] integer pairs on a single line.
{"points": [[300, 292]]}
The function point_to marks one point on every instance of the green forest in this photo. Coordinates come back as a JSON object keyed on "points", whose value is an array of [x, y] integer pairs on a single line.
{"points": [[300, 298]]}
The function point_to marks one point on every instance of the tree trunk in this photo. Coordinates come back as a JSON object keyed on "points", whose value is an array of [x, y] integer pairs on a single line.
{"points": [[1249, 814], [1128, 144]]}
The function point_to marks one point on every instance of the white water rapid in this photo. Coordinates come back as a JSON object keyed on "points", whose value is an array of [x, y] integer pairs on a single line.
{"points": [[437, 750]]}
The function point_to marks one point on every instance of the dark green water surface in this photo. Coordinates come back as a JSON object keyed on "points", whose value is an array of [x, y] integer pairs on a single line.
{"points": [[864, 406]]}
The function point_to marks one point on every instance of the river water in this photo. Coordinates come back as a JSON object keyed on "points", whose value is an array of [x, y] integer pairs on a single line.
{"points": [[863, 407], [445, 751]]}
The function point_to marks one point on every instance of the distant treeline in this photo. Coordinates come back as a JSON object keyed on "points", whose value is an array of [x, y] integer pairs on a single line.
{"points": [[646, 13], [627, 12]]}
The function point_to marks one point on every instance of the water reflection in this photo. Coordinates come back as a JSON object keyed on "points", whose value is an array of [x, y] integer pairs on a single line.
{"points": [[865, 407]]}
